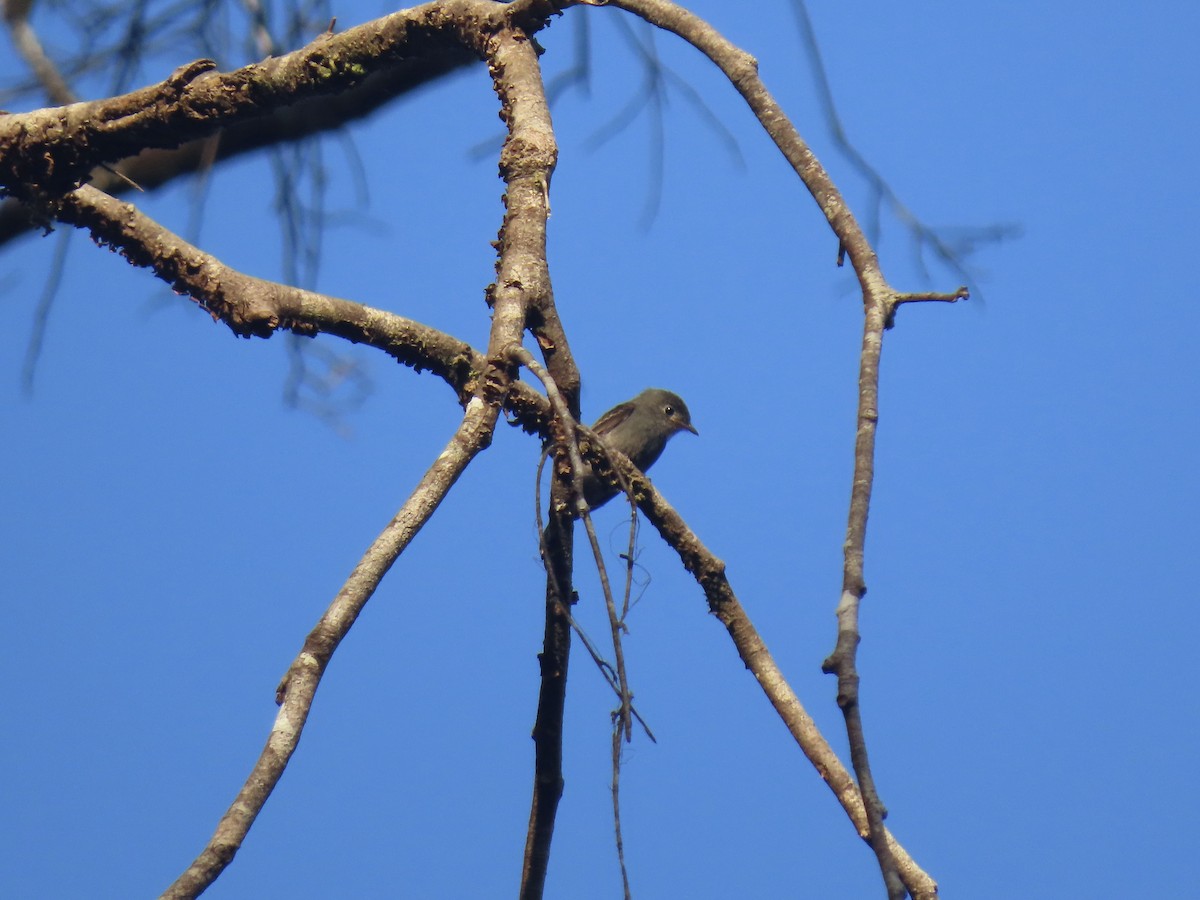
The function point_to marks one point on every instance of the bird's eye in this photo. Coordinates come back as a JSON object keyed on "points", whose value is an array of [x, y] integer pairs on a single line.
{"points": [[669, 410]]}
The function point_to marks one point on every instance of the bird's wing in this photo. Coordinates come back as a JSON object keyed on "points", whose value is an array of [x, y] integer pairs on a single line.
{"points": [[611, 419]]}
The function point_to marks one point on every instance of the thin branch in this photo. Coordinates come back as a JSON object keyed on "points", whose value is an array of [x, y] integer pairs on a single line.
{"points": [[842, 662], [299, 686], [616, 801], [565, 429], [605, 668], [898, 300], [25, 39], [924, 235], [742, 71], [41, 315], [709, 572]]}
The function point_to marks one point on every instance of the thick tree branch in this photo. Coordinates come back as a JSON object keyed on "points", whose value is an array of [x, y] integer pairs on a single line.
{"points": [[49, 151], [527, 164], [155, 167], [255, 307]]}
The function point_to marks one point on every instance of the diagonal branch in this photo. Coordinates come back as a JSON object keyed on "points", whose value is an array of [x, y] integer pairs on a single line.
{"points": [[250, 306], [299, 686], [709, 572], [923, 235], [742, 71], [25, 39]]}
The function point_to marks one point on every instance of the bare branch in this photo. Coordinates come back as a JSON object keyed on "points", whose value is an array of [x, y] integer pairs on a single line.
{"points": [[16, 16], [318, 115], [898, 300], [742, 71], [924, 235], [41, 315], [48, 151], [709, 572], [299, 686], [565, 429]]}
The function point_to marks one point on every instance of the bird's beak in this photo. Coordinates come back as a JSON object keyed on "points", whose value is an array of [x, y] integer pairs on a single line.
{"points": [[688, 426]]}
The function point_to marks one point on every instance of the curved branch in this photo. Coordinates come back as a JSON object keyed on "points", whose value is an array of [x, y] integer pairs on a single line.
{"points": [[254, 307], [742, 71]]}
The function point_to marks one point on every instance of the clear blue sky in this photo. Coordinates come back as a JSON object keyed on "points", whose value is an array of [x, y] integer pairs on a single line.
{"points": [[170, 531]]}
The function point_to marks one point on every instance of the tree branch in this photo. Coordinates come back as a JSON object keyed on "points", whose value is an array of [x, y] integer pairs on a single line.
{"points": [[298, 688], [154, 168], [49, 151], [709, 572]]}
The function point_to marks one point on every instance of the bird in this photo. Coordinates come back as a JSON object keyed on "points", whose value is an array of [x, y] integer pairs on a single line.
{"points": [[640, 429]]}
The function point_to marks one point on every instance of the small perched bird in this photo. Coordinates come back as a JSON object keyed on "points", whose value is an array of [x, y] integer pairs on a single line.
{"points": [[639, 428]]}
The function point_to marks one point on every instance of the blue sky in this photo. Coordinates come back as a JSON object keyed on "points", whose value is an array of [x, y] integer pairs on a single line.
{"points": [[171, 531]]}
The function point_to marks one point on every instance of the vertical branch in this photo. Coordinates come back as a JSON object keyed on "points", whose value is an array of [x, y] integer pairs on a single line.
{"points": [[527, 162], [617, 733], [842, 662], [879, 315], [552, 696], [742, 71], [564, 430]]}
